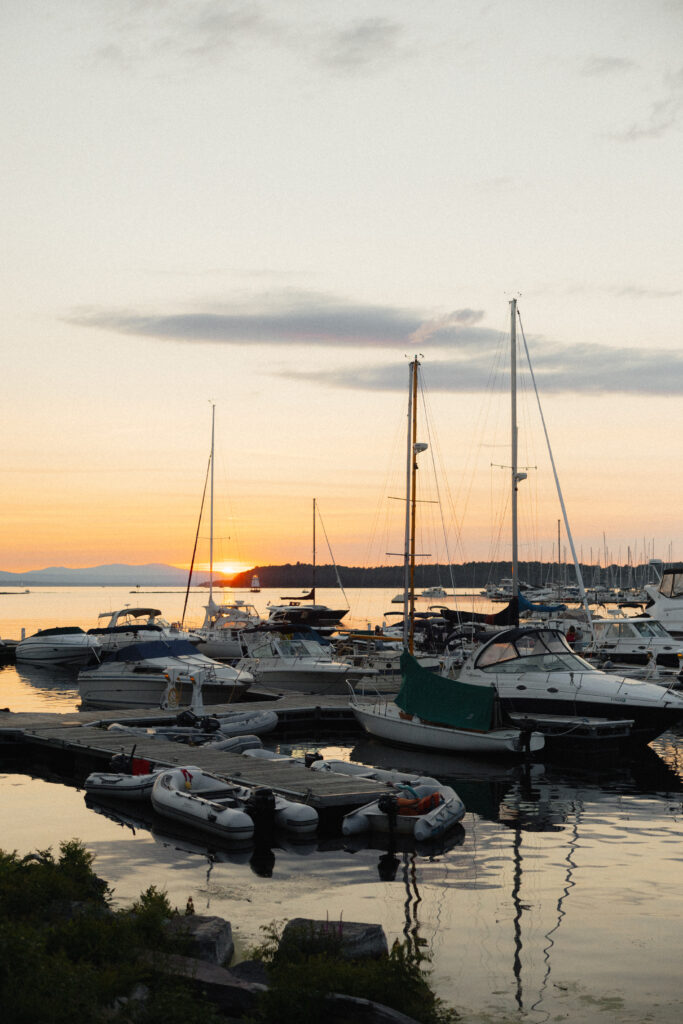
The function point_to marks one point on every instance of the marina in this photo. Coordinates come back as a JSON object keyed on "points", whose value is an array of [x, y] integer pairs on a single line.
{"points": [[535, 836]]}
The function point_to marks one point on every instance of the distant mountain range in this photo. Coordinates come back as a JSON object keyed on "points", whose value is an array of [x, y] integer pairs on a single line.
{"points": [[154, 573], [301, 574]]}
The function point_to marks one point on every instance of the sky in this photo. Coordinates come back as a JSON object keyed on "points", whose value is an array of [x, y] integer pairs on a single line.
{"points": [[273, 207]]}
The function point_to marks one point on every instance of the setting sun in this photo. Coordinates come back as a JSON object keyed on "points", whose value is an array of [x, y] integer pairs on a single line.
{"points": [[227, 568]]}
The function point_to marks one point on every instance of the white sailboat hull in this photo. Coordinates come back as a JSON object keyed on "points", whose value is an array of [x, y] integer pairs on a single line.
{"points": [[385, 721]]}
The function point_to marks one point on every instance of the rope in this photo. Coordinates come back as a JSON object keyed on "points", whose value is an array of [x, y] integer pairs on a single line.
{"points": [[329, 548], [577, 567], [196, 539]]}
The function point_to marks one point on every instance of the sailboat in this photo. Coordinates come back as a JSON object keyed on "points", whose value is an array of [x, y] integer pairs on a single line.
{"points": [[431, 711], [298, 610], [220, 632], [537, 675]]}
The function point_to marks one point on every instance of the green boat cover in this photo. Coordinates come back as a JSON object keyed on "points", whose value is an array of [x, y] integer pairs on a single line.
{"points": [[434, 698]]}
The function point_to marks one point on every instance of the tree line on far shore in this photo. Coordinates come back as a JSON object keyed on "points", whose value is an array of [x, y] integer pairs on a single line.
{"points": [[470, 574]]}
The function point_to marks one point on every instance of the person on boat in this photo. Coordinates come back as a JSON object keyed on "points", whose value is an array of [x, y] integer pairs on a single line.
{"points": [[571, 635]]}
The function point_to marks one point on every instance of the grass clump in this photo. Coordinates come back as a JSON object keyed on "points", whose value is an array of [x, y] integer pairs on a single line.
{"points": [[307, 967], [67, 957]]}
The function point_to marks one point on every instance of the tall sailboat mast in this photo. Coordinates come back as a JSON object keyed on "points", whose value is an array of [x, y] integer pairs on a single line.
{"points": [[413, 450], [313, 587], [412, 377], [516, 475], [213, 424]]}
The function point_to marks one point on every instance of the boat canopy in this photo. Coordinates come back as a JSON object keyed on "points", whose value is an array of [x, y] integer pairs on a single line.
{"points": [[671, 584], [152, 649], [132, 612], [444, 701], [60, 631], [529, 650]]}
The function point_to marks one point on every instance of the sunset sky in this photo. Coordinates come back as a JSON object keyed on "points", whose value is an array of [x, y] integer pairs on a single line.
{"points": [[273, 207]]}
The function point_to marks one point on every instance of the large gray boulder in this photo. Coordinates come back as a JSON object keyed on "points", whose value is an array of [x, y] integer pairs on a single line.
{"points": [[210, 938], [351, 940]]}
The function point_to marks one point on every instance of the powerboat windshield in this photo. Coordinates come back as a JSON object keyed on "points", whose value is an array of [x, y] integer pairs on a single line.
{"points": [[529, 650]]}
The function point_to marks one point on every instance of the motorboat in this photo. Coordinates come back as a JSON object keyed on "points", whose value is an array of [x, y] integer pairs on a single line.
{"points": [[423, 811], [196, 797], [294, 660], [137, 676], [433, 592], [135, 625], [634, 640], [221, 631], [534, 671], [665, 600], [297, 611], [61, 645]]}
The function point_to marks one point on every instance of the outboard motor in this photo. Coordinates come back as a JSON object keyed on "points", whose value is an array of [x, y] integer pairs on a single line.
{"points": [[186, 718], [122, 764], [388, 804], [209, 723], [310, 758], [261, 809]]}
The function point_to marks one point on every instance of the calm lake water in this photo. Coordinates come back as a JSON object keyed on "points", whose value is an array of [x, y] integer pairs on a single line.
{"points": [[559, 898]]}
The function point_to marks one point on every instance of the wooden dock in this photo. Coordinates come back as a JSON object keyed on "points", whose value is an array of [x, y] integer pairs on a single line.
{"points": [[82, 737]]}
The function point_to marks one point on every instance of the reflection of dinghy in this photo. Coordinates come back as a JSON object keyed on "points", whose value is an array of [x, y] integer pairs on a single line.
{"points": [[422, 811], [195, 797]]}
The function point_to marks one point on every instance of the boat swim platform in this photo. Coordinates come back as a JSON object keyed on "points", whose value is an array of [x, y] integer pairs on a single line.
{"points": [[557, 727], [81, 738]]}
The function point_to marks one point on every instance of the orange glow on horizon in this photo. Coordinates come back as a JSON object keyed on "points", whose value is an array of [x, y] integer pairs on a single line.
{"points": [[226, 568]]}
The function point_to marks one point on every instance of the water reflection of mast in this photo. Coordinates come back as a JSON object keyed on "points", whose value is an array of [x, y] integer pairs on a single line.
{"points": [[569, 884], [413, 899], [519, 907]]}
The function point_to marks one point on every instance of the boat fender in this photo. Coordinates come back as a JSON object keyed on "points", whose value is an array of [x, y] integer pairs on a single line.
{"points": [[419, 805]]}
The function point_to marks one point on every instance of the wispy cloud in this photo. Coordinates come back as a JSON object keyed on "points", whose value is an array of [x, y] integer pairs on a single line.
{"points": [[143, 31], [664, 114], [575, 369], [289, 319], [469, 346], [598, 66], [363, 44]]}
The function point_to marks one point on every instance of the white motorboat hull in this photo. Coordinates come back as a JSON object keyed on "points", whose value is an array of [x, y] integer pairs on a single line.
{"points": [[280, 677], [385, 721], [65, 650], [130, 686], [221, 647]]}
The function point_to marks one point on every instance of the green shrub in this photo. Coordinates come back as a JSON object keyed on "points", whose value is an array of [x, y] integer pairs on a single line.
{"points": [[67, 958], [306, 968]]}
